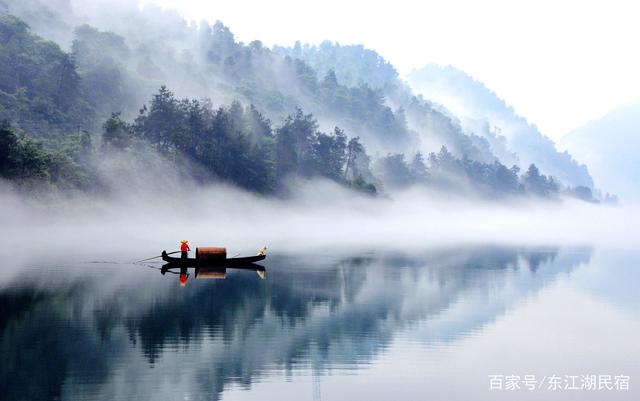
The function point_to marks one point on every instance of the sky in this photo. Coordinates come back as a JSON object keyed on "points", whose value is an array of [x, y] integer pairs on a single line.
{"points": [[559, 63]]}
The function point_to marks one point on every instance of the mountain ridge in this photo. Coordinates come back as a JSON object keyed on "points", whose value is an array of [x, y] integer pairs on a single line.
{"points": [[608, 145], [474, 103]]}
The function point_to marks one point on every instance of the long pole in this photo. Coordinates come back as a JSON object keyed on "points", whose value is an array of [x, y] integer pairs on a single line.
{"points": [[170, 253]]}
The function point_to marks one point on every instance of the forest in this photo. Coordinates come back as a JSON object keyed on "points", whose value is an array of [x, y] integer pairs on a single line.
{"points": [[264, 117]]}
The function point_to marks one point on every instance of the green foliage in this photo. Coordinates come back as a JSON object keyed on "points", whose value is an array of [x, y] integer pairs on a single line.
{"points": [[585, 194], [356, 83], [445, 171], [20, 159], [237, 144], [394, 171], [294, 145], [364, 109], [418, 169], [301, 149], [358, 65], [234, 144], [276, 83], [25, 161], [360, 184], [39, 84], [358, 163], [329, 154], [117, 133], [539, 184], [101, 58], [50, 93]]}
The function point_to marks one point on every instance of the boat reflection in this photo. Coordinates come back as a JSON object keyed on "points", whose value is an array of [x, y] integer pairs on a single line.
{"points": [[208, 272]]}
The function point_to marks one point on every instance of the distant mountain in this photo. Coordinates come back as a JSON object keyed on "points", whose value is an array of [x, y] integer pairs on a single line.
{"points": [[482, 112], [610, 147], [433, 125]]}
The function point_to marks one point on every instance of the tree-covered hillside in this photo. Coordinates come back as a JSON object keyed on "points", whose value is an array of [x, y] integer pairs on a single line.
{"points": [[241, 113], [483, 112], [357, 65], [39, 83], [478, 124], [128, 55]]}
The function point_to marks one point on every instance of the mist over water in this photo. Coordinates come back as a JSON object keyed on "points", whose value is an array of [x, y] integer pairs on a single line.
{"points": [[144, 216], [361, 294]]}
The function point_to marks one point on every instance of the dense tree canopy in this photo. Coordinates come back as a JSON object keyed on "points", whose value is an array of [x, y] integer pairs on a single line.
{"points": [[27, 162], [237, 143], [39, 83]]}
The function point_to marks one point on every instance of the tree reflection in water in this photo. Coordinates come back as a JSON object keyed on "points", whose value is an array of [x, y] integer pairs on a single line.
{"points": [[114, 333]]}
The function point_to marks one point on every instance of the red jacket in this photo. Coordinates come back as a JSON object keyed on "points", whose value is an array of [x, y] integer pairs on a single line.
{"points": [[185, 247]]}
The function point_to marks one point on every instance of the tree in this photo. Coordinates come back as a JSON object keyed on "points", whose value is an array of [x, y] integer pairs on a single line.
{"points": [[539, 184], [67, 83], [358, 167], [162, 123], [258, 125], [40, 84], [418, 169], [394, 171], [116, 133], [329, 154], [502, 179], [102, 58], [360, 184], [8, 150], [353, 149], [583, 193], [21, 158], [294, 142]]}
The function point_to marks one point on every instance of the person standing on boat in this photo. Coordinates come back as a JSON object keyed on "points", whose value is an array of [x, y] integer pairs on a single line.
{"points": [[184, 247]]}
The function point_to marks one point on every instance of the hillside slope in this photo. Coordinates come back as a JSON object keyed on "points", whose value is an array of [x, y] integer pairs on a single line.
{"points": [[481, 111], [610, 147]]}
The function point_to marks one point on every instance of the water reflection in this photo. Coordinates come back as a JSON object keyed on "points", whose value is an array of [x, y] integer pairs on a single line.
{"points": [[208, 272], [122, 332]]}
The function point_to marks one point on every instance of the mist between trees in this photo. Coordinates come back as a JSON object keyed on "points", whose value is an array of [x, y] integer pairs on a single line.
{"points": [[55, 132], [239, 145]]}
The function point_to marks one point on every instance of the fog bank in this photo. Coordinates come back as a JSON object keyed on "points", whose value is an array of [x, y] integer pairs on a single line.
{"points": [[318, 217]]}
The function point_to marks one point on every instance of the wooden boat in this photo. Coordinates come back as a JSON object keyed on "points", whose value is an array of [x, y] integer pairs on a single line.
{"points": [[212, 257]]}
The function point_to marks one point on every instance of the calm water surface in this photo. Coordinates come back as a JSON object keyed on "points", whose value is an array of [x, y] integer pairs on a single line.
{"points": [[424, 326]]}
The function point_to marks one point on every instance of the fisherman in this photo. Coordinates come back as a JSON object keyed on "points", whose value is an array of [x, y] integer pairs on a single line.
{"points": [[184, 247]]}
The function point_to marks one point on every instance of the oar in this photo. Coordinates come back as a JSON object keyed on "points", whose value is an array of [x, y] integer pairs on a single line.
{"points": [[159, 256]]}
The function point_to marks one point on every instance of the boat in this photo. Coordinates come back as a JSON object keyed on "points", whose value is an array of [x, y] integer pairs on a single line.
{"points": [[212, 257]]}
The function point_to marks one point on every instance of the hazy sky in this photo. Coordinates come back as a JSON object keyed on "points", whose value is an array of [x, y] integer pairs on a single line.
{"points": [[559, 63]]}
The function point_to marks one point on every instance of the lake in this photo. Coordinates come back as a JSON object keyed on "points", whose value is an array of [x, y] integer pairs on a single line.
{"points": [[454, 323]]}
